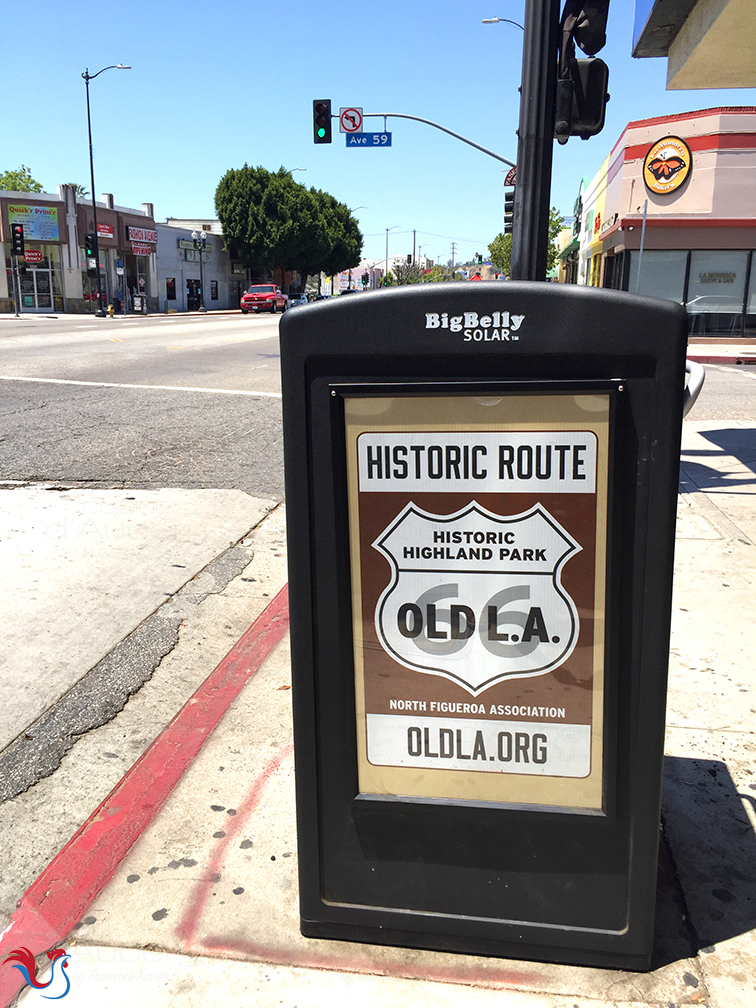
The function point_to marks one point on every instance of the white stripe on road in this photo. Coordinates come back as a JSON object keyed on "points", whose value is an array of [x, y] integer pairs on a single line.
{"points": [[166, 388]]}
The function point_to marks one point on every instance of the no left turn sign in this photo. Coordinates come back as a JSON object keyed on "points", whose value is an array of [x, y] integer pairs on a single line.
{"points": [[350, 120]]}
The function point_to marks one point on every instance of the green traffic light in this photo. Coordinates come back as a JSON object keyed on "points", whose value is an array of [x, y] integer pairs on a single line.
{"points": [[321, 132]]}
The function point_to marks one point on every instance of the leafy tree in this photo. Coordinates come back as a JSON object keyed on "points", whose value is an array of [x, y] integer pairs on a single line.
{"points": [[500, 248], [500, 251], [434, 275], [19, 180], [270, 220], [407, 273], [388, 279]]}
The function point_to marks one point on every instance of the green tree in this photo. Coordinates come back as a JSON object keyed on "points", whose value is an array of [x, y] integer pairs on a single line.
{"points": [[407, 273], [79, 190], [19, 180], [270, 220], [500, 248]]}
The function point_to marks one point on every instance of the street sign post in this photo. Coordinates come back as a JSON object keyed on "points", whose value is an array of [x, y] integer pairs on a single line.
{"points": [[368, 139], [480, 592]]}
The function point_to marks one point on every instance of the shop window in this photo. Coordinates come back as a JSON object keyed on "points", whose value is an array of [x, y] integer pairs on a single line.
{"points": [[596, 270], [749, 323], [170, 289], [213, 290], [662, 274], [716, 291]]}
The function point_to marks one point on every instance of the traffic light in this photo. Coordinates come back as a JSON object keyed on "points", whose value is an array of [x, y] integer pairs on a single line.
{"points": [[508, 210], [409, 259], [17, 239], [478, 258], [581, 99], [321, 121], [365, 279], [90, 246]]}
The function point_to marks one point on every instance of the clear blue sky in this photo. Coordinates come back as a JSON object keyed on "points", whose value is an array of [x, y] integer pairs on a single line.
{"points": [[215, 86]]}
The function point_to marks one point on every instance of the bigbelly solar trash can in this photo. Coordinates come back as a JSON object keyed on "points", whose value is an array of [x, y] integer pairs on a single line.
{"points": [[481, 488]]}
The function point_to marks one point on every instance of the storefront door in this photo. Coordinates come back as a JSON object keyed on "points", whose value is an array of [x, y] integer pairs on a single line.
{"points": [[36, 290], [192, 295]]}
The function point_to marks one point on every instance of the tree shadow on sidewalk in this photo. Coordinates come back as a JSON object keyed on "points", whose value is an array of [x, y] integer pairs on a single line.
{"points": [[707, 865], [730, 442]]}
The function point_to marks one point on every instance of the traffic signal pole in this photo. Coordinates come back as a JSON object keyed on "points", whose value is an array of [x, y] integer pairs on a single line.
{"points": [[534, 152]]}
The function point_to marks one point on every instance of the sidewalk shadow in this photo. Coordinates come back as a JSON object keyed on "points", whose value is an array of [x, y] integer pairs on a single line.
{"points": [[734, 442], [711, 876]]}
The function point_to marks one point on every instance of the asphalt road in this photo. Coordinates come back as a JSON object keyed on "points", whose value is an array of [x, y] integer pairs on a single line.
{"points": [[181, 422], [177, 401]]}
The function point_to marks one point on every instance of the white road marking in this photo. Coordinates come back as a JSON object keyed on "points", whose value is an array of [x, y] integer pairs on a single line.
{"points": [[732, 370], [165, 388]]}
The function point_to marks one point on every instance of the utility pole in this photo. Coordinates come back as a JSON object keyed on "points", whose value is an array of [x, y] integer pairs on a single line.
{"points": [[453, 253], [536, 131], [414, 234]]}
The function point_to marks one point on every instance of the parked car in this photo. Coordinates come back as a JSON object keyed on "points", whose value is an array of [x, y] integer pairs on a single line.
{"points": [[264, 297], [301, 299]]}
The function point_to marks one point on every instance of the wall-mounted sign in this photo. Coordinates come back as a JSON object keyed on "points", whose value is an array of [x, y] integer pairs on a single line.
{"points": [[32, 256], [40, 222], [142, 250], [104, 230], [667, 165], [184, 243], [141, 234], [478, 555]]}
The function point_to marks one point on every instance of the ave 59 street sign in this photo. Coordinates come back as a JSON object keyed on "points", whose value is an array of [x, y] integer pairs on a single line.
{"points": [[368, 139]]}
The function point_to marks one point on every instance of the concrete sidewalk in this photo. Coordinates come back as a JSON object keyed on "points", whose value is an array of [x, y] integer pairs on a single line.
{"points": [[201, 908]]}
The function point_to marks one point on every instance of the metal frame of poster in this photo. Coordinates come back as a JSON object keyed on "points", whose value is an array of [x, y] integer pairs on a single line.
{"points": [[478, 537]]}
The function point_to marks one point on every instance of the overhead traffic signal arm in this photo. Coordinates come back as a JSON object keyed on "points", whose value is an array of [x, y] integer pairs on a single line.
{"points": [[321, 121]]}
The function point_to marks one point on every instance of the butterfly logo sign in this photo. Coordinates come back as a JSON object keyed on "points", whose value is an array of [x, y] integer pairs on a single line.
{"points": [[667, 165]]}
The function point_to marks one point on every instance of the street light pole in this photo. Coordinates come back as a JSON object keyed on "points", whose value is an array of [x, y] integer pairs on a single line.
{"points": [[200, 240], [100, 313], [393, 228]]}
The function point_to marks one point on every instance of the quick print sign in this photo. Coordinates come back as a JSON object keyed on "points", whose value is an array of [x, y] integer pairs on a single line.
{"points": [[478, 556]]}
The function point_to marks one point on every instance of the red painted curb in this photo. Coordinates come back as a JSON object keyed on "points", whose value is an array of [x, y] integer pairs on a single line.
{"points": [[56, 900]]}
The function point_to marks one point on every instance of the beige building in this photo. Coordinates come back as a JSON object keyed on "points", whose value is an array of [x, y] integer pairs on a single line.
{"points": [[672, 213]]}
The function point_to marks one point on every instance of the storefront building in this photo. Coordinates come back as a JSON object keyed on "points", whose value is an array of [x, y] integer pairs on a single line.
{"points": [[52, 276], [180, 279], [672, 213]]}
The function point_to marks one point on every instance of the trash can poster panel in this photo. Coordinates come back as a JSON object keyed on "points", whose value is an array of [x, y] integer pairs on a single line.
{"points": [[479, 631]]}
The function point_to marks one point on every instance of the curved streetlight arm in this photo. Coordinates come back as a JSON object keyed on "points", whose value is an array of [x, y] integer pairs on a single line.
{"points": [[429, 122], [113, 66], [499, 20]]}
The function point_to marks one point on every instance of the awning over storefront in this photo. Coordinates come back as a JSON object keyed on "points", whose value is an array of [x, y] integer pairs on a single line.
{"points": [[572, 247]]}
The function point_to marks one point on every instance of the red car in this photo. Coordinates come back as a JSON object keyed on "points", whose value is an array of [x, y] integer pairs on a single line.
{"points": [[264, 297]]}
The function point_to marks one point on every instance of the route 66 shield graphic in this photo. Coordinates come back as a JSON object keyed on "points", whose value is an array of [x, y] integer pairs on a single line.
{"points": [[477, 597]]}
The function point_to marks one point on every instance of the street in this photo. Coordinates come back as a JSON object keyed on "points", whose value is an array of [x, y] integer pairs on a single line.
{"points": [[179, 425]]}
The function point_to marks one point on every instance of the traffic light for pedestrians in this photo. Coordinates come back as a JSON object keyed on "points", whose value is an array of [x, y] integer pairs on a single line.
{"points": [[321, 121], [17, 239], [508, 210], [581, 99]]}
